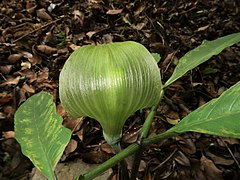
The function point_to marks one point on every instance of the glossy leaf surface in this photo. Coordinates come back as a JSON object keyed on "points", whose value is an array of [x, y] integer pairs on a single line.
{"points": [[201, 54], [39, 131], [109, 82], [220, 116]]}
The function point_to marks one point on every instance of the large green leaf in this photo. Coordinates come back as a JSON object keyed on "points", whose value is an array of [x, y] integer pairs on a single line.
{"points": [[39, 131], [201, 54], [220, 116]]}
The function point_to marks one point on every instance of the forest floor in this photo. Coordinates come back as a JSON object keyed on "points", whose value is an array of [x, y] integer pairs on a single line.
{"points": [[37, 37]]}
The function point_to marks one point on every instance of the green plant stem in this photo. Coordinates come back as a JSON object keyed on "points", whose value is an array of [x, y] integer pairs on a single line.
{"points": [[109, 163], [123, 154], [143, 134], [148, 122], [124, 171], [159, 137]]}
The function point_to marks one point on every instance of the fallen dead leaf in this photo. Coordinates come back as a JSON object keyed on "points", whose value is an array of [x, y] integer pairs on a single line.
{"points": [[42, 75], [6, 69], [211, 89], [46, 49], [74, 46], [13, 58], [107, 148], [11, 81], [8, 111], [90, 33], [47, 85], [186, 144], [230, 141], [72, 145], [21, 96], [167, 60], [28, 88], [210, 170], [221, 90], [80, 134], [172, 121], [182, 159], [196, 84], [69, 122], [78, 16], [139, 26], [114, 11], [30, 4], [8, 134], [35, 60], [72, 123], [131, 136], [2, 116], [42, 14], [96, 157], [32, 76], [139, 10], [173, 115], [129, 161], [60, 110], [5, 97], [156, 46], [62, 51], [219, 160], [27, 55], [203, 28], [26, 65]]}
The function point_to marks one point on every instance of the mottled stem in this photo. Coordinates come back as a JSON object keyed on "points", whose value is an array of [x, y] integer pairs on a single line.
{"points": [[143, 134]]}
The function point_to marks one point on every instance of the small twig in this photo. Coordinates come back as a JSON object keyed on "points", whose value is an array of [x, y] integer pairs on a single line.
{"points": [[229, 150], [169, 157], [183, 107], [35, 30], [172, 57], [76, 125], [170, 103], [3, 77]]}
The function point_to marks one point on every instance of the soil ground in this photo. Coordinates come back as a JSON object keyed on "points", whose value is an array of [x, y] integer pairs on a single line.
{"points": [[37, 37]]}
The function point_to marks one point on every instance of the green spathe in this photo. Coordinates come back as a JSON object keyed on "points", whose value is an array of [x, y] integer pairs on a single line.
{"points": [[109, 82]]}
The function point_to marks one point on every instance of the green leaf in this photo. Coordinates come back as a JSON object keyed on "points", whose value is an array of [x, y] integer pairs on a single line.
{"points": [[39, 131], [220, 116], [201, 54], [209, 70], [156, 56]]}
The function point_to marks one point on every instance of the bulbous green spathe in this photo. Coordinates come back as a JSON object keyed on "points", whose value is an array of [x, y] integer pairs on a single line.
{"points": [[109, 82]]}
